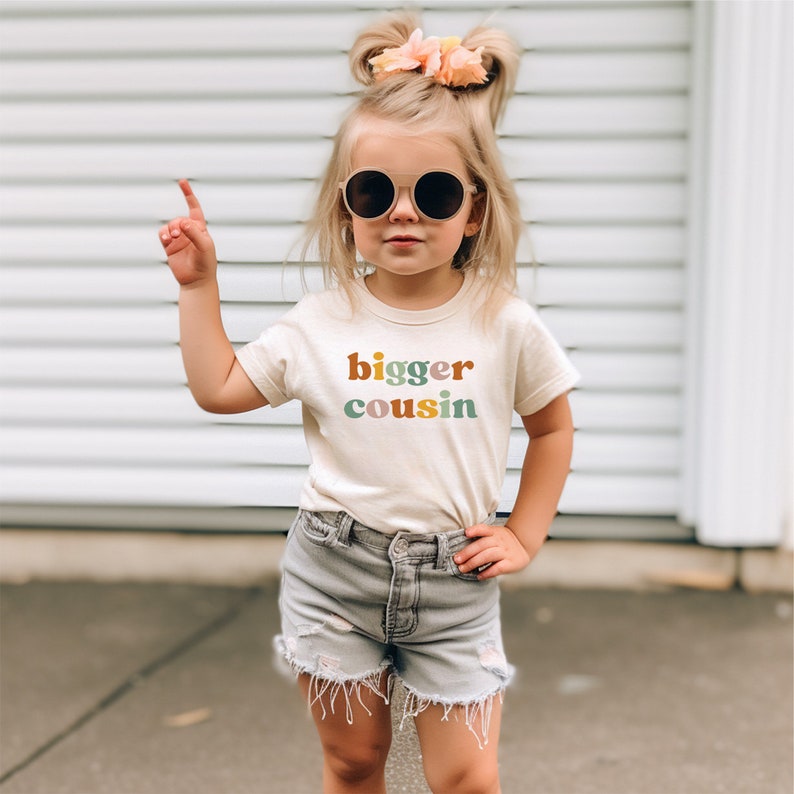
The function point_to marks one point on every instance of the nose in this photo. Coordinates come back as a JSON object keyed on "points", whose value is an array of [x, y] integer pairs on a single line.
{"points": [[404, 210]]}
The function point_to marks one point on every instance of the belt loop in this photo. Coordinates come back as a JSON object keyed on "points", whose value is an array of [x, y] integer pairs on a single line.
{"points": [[443, 550], [345, 525]]}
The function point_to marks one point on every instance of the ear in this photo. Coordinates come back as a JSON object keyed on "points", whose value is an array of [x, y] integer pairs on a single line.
{"points": [[476, 216]]}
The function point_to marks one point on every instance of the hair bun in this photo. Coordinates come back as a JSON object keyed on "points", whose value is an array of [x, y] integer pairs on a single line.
{"points": [[501, 57], [499, 53], [391, 31]]}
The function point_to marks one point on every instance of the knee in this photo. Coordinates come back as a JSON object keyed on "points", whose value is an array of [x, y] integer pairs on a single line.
{"points": [[471, 778], [358, 762]]}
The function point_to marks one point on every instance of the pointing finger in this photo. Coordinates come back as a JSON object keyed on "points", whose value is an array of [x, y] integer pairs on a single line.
{"points": [[196, 212]]}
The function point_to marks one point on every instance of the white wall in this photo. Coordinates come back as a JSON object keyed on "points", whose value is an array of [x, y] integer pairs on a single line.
{"points": [[103, 105]]}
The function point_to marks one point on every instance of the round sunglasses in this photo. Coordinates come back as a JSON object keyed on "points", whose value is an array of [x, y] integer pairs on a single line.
{"points": [[370, 193]]}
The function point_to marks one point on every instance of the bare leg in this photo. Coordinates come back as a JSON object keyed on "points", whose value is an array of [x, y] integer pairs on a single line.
{"points": [[453, 759], [354, 754]]}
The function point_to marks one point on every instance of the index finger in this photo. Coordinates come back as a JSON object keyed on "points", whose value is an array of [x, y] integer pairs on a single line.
{"points": [[195, 211]]}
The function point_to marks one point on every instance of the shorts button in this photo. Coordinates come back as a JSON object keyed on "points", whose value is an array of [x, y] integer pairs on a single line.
{"points": [[401, 546]]}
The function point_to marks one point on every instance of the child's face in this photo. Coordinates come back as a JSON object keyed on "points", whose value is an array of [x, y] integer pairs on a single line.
{"points": [[403, 242]]}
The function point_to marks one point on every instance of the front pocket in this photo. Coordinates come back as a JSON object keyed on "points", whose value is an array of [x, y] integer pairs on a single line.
{"points": [[318, 531], [454, 547]]}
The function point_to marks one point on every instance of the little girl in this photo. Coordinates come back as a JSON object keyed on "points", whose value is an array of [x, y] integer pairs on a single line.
{"points": [[409, 367]]}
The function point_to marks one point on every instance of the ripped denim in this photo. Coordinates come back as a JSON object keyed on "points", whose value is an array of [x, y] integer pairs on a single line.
{"points": [[359, 607]]}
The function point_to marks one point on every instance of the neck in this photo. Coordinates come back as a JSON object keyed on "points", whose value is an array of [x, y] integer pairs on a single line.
{"points": [[422, 291]]}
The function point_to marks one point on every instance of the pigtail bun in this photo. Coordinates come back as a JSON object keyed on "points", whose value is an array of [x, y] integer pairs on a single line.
{"points": [[392, 30], [501, 57]]}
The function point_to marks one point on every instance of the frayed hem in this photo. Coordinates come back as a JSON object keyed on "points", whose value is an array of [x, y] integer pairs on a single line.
{"points": [[325, 687], [477, 713]]}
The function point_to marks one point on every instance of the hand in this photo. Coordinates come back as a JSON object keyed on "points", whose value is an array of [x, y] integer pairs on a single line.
{"points": [[497, 547], [187, 243]]}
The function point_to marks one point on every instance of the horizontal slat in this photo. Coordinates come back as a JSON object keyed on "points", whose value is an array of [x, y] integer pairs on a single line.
{"points": [[183, 77], [153, 485], [228, 445], [624, 369], [569, 245], [633, 411], [162, 366], [109, 162], [145, 159], [219, 445], [599, 72], [280, 486], [189, 120], [625, 329], [267, 74], [555, 158], [615, 411], [124, 405], [610, 494], [603, 286], [286, 202], [589, 286], [574, 26], [575, 328]]}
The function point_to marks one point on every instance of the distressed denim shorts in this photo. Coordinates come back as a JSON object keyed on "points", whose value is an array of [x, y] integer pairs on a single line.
{"points": [[357, 603]]}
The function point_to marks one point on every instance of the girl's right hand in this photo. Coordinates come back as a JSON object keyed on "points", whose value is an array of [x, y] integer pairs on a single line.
{"points": [[187, 243]]}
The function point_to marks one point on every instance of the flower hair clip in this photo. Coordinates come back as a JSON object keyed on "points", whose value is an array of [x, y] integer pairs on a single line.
{"points": [[443, 60]]}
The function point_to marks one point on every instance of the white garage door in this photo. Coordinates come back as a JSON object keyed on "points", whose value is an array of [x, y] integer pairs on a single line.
{"points": [[105, 104]]}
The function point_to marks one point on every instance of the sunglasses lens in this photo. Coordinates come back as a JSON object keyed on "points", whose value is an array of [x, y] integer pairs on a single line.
{"points": [[369, 194], [439, 195]]}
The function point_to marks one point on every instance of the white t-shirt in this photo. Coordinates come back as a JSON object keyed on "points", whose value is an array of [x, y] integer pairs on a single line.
{"points": [[407, 414]]}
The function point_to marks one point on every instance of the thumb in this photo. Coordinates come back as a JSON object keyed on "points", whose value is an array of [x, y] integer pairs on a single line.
{"points": [[200, 237]]}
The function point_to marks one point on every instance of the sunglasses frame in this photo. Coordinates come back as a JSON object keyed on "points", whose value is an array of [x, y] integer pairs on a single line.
{"points": [[409, 181]]}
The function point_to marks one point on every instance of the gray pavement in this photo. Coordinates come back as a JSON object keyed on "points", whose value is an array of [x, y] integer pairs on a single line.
{"points": [[683, 692]]}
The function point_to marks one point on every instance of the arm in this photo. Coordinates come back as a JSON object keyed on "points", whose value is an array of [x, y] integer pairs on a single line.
{"points": [[546, 465], [216, 380]]}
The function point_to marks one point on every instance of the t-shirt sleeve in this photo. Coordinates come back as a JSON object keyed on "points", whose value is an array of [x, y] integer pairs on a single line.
{"points": [[271, 361], [544, 371]]}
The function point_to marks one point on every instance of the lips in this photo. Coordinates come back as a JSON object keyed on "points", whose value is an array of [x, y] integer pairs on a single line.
{"points": [[403, 238]]}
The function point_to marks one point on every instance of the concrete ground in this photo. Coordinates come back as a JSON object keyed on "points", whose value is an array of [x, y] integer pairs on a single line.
{"points": [[168, 689]]}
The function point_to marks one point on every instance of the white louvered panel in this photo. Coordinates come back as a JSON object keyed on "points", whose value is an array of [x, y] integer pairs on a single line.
{"points": [[573, 327], [554, 245], [220, 445], [89, 404], [535, 158], [57, 161], [283, 202], [190, 120], [284, 445], [106, 104], [635, 453], [548, 286], [601, 26], [558, 159], [153, 485], [288, 75], [233, 486], [162, 365], [608, 494], [140, 406]]}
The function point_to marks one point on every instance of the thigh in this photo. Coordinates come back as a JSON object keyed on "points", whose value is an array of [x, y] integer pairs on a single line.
{"points": [[454, 757], [353, 719]]}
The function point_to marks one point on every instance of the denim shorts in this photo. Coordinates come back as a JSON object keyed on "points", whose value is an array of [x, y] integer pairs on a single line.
{"points": [[357, 604]]}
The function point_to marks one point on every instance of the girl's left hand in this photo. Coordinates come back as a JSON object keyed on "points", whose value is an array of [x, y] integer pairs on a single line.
{"points": [[495, 546]]}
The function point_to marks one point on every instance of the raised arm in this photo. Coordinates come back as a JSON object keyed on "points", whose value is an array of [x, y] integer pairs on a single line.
{"points": [[217, 381]]}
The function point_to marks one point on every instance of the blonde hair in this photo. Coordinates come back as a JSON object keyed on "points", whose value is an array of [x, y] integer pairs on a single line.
{"points": [[418, 105]]}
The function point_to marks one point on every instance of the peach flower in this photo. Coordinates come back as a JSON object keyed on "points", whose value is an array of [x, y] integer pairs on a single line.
{"points": [[416, 53], [459, 66]]}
